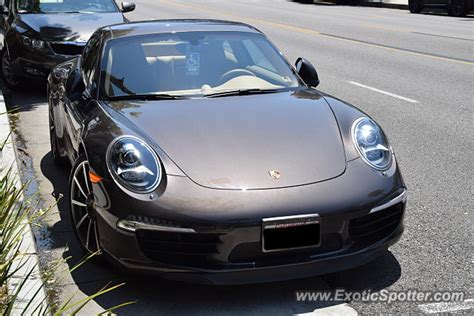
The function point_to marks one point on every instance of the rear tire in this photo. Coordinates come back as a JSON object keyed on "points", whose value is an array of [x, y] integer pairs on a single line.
{"points": [[457, 8], [415, 6]]}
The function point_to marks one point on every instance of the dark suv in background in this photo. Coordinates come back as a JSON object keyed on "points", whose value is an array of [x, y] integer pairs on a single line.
{"points": [[457, 8], [36, 35]]}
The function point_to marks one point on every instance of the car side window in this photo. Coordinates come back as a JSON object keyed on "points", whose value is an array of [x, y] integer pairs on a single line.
{"points": [[90, 57]]}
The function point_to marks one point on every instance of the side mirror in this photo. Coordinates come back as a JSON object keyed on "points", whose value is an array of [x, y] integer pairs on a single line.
{"points": [[59, 74], [128, 7], [307, 72]]}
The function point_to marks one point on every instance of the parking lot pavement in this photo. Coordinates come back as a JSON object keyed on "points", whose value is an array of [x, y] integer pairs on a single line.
{"points": [[413, 73]]}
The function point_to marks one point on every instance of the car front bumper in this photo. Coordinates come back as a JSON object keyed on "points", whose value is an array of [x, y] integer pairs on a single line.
{"points": [[357, 223], [297, 268], [31, 65]]}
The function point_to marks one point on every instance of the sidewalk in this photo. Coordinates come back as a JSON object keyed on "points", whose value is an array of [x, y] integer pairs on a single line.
{"points": [[33, 283]]}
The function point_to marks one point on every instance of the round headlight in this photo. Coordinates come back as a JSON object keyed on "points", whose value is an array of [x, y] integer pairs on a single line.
{"points": [[134, 165], [371, 143]]}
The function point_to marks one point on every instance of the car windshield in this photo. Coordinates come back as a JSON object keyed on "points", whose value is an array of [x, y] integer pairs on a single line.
{"points": [[64, 6], [194, 64]]}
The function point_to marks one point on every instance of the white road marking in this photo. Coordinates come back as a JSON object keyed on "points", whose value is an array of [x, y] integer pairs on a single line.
{"points": [[383, 92], [435, 308], [336, 310]]}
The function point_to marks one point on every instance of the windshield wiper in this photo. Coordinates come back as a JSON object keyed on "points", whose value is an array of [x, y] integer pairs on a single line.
{"points": [[240, 92], [146, 97]]}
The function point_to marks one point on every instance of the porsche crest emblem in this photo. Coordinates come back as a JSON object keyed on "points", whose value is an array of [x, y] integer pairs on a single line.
{"points": [[275, 174]]}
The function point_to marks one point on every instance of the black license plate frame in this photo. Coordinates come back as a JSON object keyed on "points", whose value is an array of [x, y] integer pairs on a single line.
{"points": [[288, 232]]}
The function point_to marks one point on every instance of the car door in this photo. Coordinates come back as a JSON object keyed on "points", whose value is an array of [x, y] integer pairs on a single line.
{"points": [[75, 106]]}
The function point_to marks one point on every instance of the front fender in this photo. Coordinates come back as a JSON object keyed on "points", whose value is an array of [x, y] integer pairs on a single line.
{"points": [[101, 127], [345, 115]]}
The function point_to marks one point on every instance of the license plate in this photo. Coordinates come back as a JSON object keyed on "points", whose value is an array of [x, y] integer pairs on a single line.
{"points": [[290, 232]]}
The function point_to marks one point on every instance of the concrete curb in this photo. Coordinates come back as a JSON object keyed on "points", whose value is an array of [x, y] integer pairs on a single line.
{"points": [[29, 261]]}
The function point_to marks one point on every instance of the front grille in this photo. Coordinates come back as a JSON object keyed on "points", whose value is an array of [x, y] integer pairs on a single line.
{"points": [[252, 252], [67, 49], [208, 249], [373, 227], [182, 249]]}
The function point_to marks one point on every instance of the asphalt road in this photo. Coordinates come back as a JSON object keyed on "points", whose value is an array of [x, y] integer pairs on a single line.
{"points": [[412, 73]]}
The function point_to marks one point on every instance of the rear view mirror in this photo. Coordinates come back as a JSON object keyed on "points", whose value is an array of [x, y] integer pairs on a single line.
{"points": [[307, 72], [128, 7]]}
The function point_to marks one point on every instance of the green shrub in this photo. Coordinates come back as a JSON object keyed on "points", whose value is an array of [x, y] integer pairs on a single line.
{"points": [[16, 216]]}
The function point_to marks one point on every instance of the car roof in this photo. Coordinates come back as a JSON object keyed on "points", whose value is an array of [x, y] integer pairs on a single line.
{"points": [[176, 25]]}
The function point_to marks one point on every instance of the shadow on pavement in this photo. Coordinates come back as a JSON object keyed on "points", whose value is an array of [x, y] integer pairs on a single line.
{"points": [[26, 98], [154, 295], [441, 12]]}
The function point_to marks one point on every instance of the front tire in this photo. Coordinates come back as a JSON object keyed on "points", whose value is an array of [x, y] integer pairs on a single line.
{"points": [[457, 8], [8, 74], [415, 6], [82, 207]]}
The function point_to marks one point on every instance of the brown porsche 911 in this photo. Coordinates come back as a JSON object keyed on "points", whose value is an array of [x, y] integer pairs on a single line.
{"points": [[200, 153]]}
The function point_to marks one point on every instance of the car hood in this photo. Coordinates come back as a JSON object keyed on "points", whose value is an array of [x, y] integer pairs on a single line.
{"points": [[239, 142], [69, 26]]}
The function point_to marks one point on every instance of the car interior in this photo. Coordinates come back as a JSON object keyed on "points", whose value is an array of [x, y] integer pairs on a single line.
{"points": [[190, 68]]}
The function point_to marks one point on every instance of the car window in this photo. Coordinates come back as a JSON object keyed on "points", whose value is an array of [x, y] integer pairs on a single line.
{"points": [[65, 6], [90, 58], [257, 55], [229, 52], [194, 63]]}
